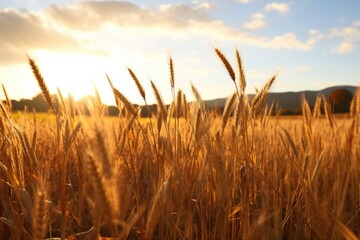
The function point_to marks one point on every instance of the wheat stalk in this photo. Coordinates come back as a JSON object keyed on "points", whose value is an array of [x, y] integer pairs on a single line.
{"points": [[317, 107], [328, 114], [42, 84], [289, 141], [155, 211], [355, 104], [160, 103], [40, 212], [178, 103], [112, 88], [229, 108], [306, 112], [185, 107], [137, 83], [8, 101], [241, 72], [125, 101], [226, 64], [105, 188], [259, 100], [172, 74]]}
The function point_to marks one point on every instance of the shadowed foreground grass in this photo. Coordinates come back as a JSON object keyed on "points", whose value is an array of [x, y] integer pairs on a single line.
{"points": [[185, 173]]}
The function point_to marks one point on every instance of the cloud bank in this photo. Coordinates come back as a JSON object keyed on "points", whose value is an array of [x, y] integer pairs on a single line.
{"points": [[73, 27]]}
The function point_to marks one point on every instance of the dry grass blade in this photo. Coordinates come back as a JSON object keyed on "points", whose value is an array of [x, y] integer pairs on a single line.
{"points": [[137, 83], [42, 84], [241, 72], [226, 64]]}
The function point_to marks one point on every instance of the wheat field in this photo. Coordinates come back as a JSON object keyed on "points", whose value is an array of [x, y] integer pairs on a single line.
{"points": [[184, 173]]}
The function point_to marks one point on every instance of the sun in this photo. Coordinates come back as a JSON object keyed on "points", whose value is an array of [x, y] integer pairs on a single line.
{"points": [[74, 74]]}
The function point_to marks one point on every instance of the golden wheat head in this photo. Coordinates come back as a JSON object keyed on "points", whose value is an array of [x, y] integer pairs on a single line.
{"points": [[42, 84]]}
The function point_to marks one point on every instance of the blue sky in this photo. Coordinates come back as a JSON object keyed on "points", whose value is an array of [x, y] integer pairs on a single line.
{"points": [[310, 44]]}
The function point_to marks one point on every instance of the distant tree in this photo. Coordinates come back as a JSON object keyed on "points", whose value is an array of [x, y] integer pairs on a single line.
{"points": [[113, 111], [39, 103], [340, 100]]}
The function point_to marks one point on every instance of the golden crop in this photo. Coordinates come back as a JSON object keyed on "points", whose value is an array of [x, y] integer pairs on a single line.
{"points": [[183, 174]]}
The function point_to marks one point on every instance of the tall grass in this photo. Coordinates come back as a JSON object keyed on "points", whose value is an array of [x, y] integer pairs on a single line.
{"points": [[245, 175]]}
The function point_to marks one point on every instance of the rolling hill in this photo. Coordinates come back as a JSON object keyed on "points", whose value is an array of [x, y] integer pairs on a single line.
{"points": [[286, 100]]}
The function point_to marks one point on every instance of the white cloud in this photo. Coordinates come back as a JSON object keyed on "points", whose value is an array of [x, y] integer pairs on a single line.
{"points": [[280, 7], [313, 31], [243, 1], [356, 23], [167, 20], [345, 47], [256, 23], [350, 37], [348, 33], [289, 41], [296, 70], [78, 28], [315, 36], [204, 6]]}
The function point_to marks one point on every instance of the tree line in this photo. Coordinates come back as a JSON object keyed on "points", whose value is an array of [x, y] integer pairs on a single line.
{"points": [[339, 100]]}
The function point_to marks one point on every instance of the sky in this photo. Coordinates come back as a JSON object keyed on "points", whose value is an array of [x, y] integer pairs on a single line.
{"points": [[309, 44]]}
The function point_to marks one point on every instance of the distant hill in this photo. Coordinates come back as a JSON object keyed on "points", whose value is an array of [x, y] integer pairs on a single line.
{"points": [[286, 100]]}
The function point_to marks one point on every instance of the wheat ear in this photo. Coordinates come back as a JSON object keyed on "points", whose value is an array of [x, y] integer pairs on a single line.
{"points": [[40, 213], [42, 84], [178, 103], [8, 101], [242, 78], [259, 100], [156, 209], [112, 88], [328, 114], [126, 102], [289, 141], [226, 64], [229, 107], [137, 83], [172, 74], [160, 103]]}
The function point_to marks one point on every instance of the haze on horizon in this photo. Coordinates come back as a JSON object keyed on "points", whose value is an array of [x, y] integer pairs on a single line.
{"points": [[310, 44]]}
